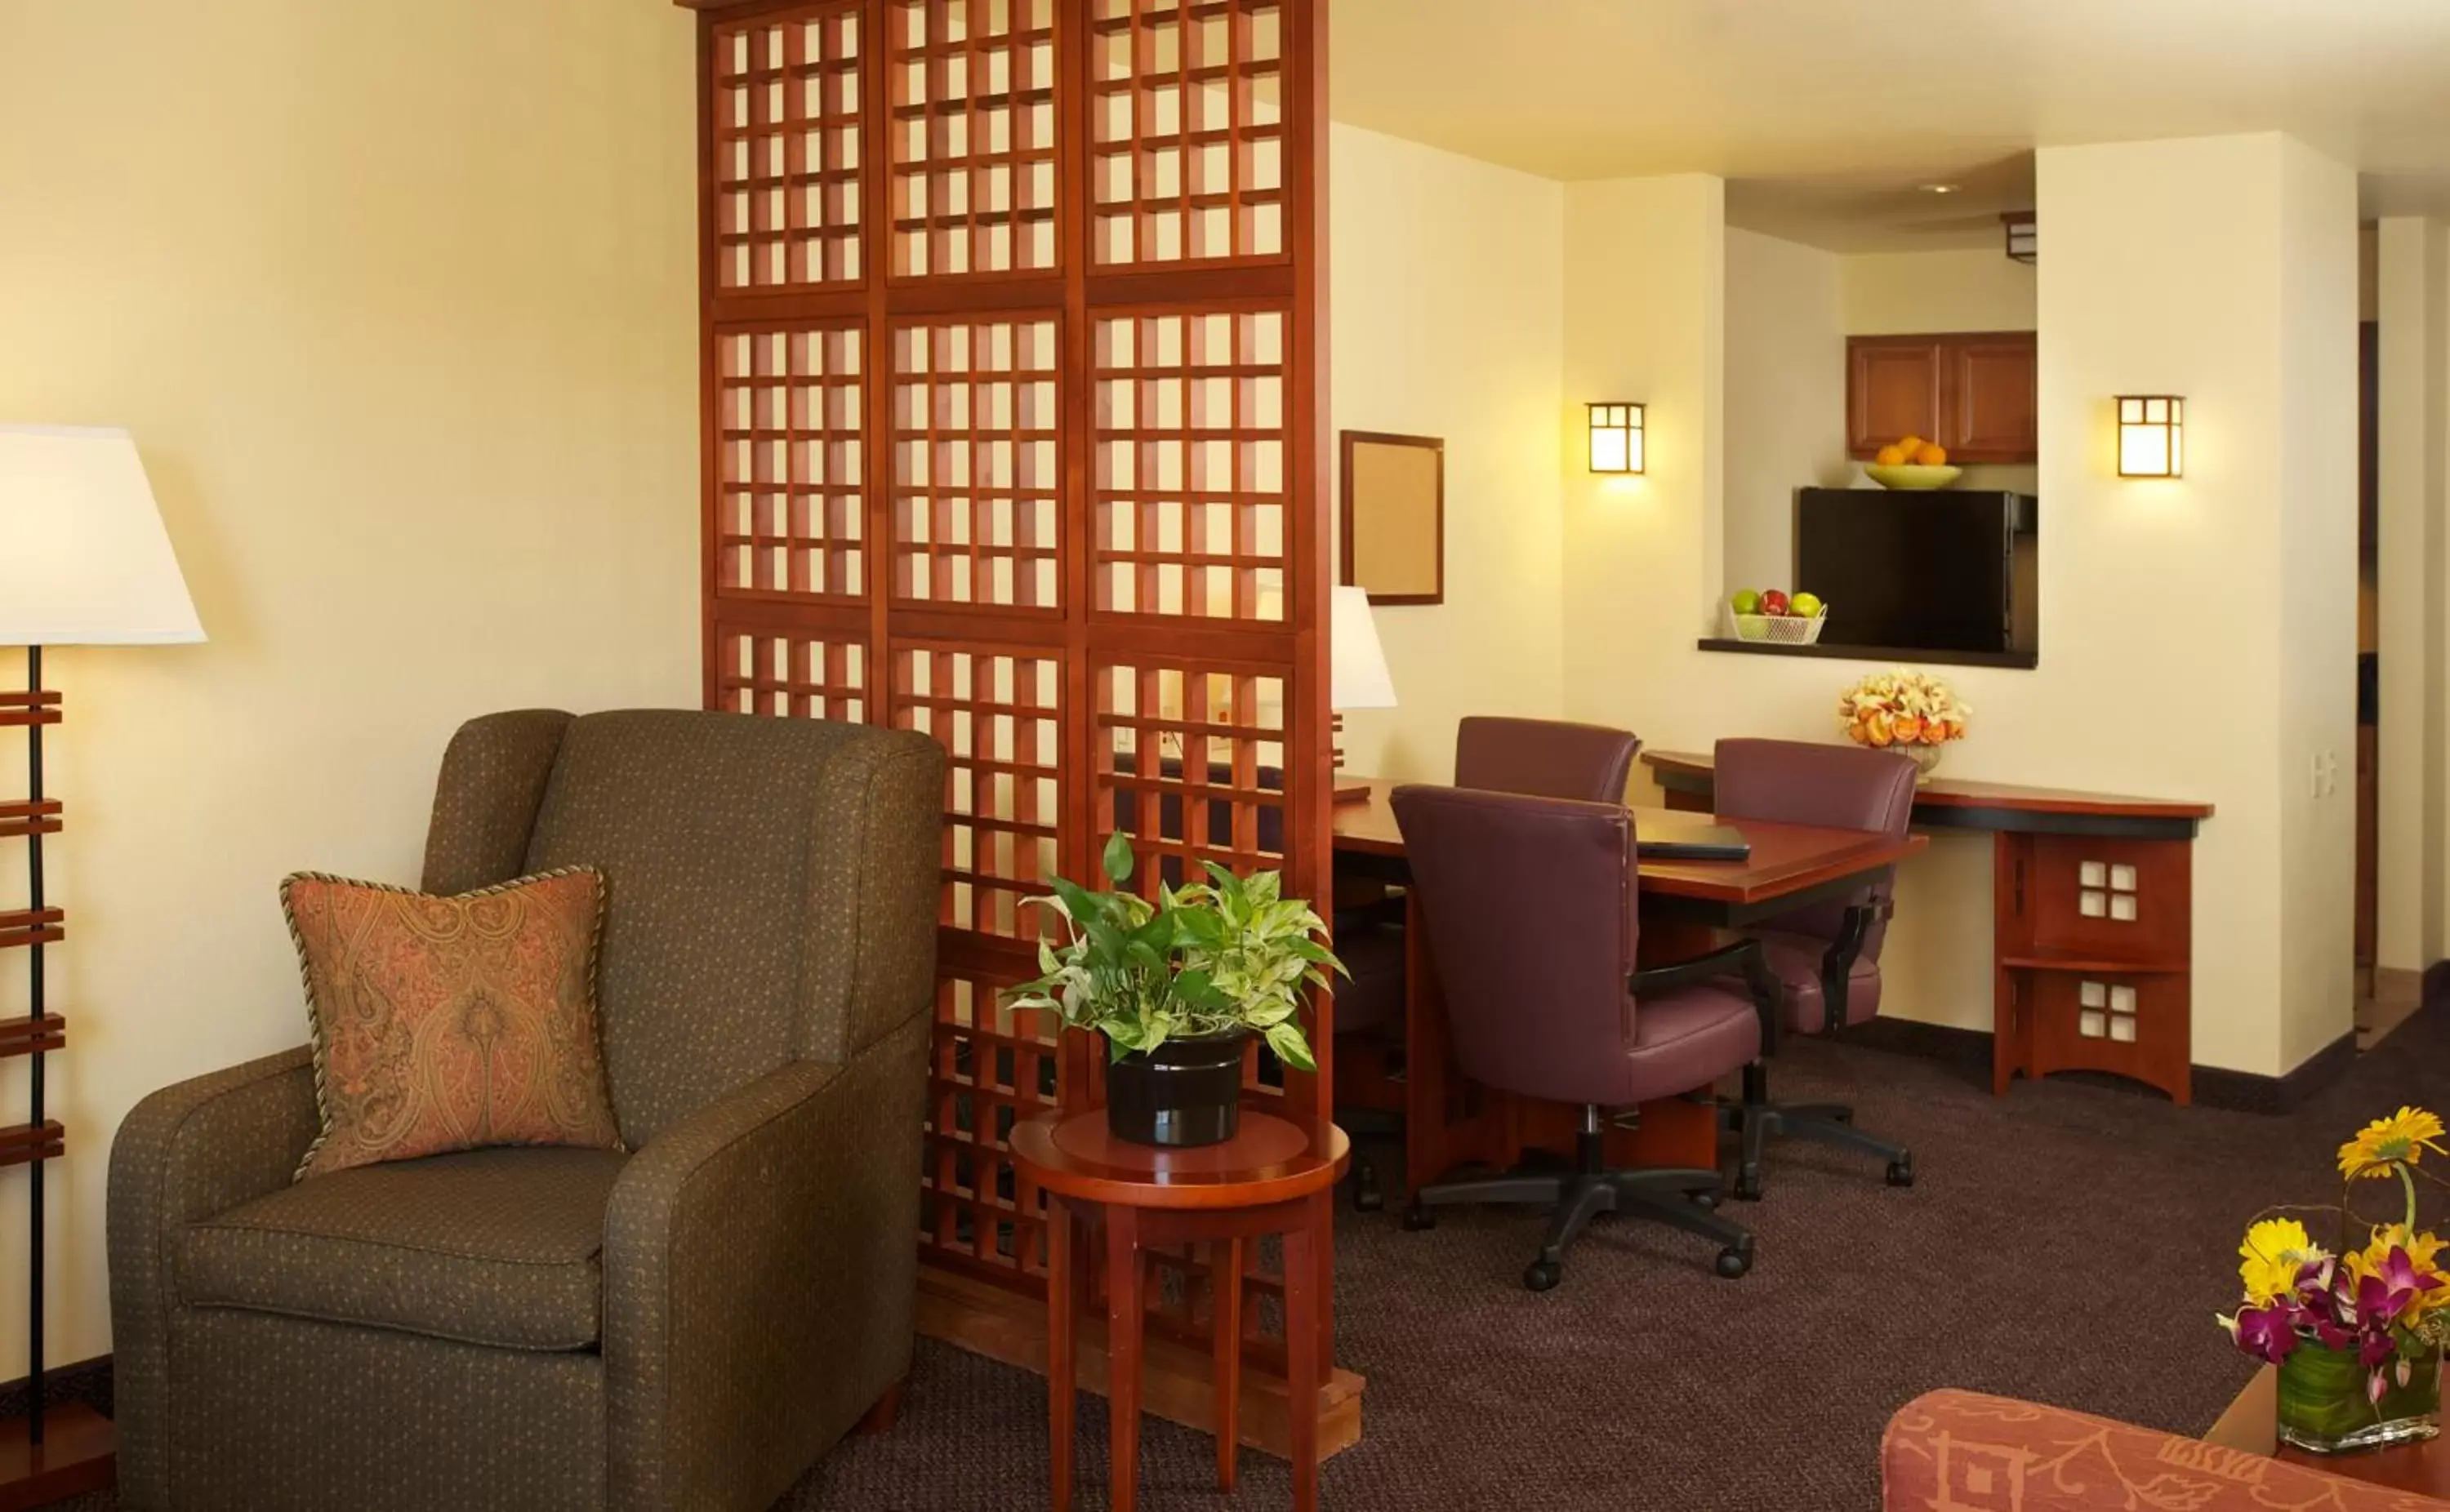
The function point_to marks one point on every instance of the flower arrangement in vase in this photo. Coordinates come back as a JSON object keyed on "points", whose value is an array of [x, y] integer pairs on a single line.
{"points": [[1179, 986], [2357, 1333], [1903, 711]]}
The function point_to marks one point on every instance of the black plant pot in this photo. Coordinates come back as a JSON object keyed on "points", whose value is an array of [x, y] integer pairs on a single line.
{"points": [[1184, 1094]]}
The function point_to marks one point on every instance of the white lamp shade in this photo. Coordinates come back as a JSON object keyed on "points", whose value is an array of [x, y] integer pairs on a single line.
{"points": [[84, 560], [1360, 677]]}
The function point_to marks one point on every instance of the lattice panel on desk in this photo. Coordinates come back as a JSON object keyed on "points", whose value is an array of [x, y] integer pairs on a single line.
{"points": [[787, 149], [1187, 117], [790, 461], [790, 675], [1189, 502], [988, 1067], [1191, 764], [973, 103], [998, 716], [977, 473]]}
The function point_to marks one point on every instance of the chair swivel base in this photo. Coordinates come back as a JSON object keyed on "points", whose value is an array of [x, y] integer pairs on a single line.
{"points": [[1759, 1121], [1681, 1199]]}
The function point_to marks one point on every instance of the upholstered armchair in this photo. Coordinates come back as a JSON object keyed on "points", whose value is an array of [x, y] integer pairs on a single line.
{"points": [[686, 1326]]}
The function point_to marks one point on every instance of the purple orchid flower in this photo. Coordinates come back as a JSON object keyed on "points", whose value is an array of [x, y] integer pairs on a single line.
{"points": [[2267, 1333], [2401, 1274]]}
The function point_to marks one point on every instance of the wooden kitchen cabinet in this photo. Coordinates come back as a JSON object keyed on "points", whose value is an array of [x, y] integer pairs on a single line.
{"points": [[1972, 392]]}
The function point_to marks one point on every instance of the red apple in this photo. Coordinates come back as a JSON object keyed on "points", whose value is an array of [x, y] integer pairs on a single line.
{"points": [[1773, 602]]}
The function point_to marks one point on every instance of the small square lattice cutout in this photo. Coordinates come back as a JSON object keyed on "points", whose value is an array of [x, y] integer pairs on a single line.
{"points": [[787, 149], [988, 1068], [1191, 764], [997, 717], [977, 517], [973, 136], [1187, 116], [788, 516], [791, 676], [1190, 494]]}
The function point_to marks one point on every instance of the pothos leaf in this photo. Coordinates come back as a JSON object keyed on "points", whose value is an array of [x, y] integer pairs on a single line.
{"points": [[1118, 860]]}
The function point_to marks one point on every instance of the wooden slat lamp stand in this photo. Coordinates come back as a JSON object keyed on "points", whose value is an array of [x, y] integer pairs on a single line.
{"points": [[1014, 335], [63, 1449], [83, 561]]}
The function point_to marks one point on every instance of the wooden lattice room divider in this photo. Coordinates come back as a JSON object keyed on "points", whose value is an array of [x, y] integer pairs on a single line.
{"points": [[1015, 380]]}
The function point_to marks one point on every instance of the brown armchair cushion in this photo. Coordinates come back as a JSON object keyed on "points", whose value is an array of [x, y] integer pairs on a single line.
{"points": [[492, 1246], [451, 1023]]}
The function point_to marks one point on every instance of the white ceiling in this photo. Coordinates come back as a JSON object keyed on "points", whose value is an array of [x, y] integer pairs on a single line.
{"points": [[1831, 111]]}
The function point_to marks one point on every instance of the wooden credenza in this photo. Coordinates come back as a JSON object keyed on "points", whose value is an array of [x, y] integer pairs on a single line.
{"points": [[2093, 920]]}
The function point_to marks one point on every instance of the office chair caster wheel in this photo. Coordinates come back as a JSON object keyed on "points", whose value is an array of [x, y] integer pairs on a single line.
{"points": [[1367, 1195], [1418, 1219], [1542, 1276], [1748, 1185], [1901, 1172], [1734, 1263]]}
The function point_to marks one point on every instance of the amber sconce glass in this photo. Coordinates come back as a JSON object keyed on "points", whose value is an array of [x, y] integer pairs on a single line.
{"points": [[1615, 437], [2151, 435]]}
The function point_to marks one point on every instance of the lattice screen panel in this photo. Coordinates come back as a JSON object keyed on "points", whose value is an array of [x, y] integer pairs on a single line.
{"points": [[788, 137], [1187, 110], [1191, 485], [789, 676], [999, 717], [977, 480], [974, 169], [988, 1067], [1013, 424], [791, 462]]}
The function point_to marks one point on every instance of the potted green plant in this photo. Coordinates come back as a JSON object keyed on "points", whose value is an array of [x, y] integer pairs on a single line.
{"points": [[1179, 987]]}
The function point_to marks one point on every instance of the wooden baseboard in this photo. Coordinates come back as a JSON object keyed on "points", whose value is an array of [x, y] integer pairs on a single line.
{"points": [[79, 1454], [2214, 1086], [987, 1319]]}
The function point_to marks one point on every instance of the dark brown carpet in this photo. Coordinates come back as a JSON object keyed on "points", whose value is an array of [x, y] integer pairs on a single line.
{"points": [[2069, 1243]]}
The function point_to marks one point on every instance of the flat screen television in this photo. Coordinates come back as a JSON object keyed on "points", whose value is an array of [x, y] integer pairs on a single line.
{"points": [[1938, 569]]}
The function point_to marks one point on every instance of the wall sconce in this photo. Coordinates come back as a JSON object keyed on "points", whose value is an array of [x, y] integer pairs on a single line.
{"points": [[1615, 437], [2151, 435]]}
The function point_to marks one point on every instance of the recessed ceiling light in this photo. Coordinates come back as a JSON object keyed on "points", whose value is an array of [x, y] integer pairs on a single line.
{"points": [[1939, 189]]}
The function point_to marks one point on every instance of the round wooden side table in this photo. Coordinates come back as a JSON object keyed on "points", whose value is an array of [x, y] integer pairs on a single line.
{"points": [[1274, 1177]]}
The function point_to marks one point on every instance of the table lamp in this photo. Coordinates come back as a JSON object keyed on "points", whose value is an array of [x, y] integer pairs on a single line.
{"points": [[1358, 678], [83, 561]]}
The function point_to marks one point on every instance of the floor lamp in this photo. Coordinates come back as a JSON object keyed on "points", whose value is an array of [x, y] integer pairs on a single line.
{"points": [[83, 561]]}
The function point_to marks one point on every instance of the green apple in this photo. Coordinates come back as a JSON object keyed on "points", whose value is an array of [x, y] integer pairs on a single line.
{"points": [[1748, 601], [1807, 606]]}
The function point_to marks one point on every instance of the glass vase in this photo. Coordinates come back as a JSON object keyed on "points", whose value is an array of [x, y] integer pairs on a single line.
{"points": [[2323, 1406]]}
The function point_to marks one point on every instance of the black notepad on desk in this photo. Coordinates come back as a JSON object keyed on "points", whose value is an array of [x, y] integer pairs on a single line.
{"points": [[1698, 841]]}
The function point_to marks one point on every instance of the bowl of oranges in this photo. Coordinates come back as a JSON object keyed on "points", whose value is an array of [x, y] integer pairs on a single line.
{"points": [[1912, 463]]}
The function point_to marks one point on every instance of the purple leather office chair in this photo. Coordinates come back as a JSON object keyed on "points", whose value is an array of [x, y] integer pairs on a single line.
{"points": [[1543, 758], [1531, 910], [1826, 956]]}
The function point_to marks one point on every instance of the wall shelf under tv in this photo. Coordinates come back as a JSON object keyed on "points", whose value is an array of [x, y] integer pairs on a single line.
{"points": [[2017, 661]]}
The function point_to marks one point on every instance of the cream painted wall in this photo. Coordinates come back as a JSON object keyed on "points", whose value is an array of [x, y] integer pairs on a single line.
{"points": [[1449, 311], [2171, 267], [1906, 293], [1785, 398], [2320, 273], [400, 304]]}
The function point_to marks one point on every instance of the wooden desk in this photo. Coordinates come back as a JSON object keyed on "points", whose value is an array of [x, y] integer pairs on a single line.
{"points": [[1447, 1121], [2092, 922], [2251, 1425]]}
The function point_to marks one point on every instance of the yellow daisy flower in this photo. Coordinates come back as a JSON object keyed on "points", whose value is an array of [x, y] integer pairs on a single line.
{"points": [[2275, 1250], [2384, 1145]]}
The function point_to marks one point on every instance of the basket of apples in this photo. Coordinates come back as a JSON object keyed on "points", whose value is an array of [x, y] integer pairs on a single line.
{"points": [[1913, 713], [1771, 616]]}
